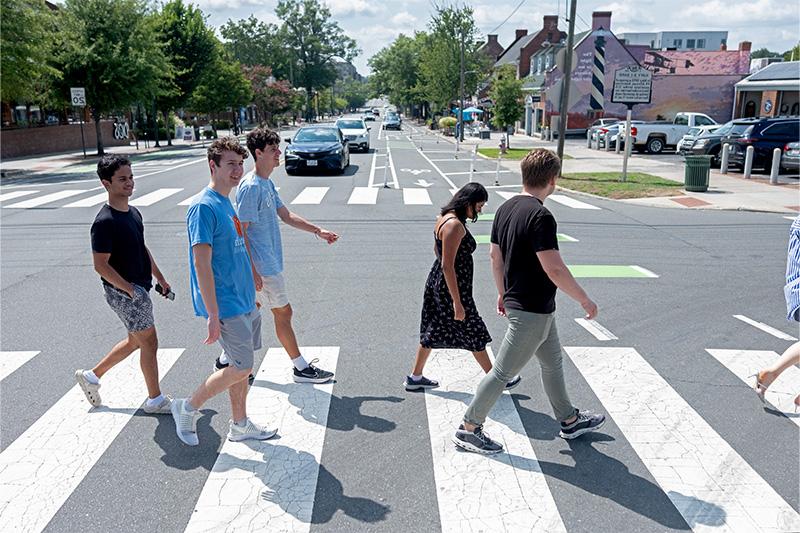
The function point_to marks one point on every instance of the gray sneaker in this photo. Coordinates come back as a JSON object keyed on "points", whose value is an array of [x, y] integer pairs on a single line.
{"points": [[91, 390], [185, 422], [249, 431], [584, 423], [514, 382], [476, 441], [163, 408]]}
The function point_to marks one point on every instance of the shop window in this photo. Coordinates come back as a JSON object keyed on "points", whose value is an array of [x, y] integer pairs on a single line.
{"points": [[701, 43], [690, 43], [677, 43]]}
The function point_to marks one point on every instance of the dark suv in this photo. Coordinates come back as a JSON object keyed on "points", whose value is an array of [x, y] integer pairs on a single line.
{"points": [[764, 136], [711, 143]]}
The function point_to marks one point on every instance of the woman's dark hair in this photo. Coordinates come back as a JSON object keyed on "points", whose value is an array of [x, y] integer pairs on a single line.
{"points": [[470, 194]]}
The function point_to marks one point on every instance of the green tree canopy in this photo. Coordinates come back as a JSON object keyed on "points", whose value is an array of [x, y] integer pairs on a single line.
{"points": [[27, 31], [763, 52], [222, 87], [792, 54], [270, 96], [506, 93], [395, 69], [253, 42], [316, 40], [111, 48]]}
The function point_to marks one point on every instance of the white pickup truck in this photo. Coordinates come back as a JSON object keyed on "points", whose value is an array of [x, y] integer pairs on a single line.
{"points": [[656, 136]]}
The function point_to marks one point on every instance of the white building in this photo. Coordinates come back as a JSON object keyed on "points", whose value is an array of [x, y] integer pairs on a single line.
{"points": [[677, 40]]}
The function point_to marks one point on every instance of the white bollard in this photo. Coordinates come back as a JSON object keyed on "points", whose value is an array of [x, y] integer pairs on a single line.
{"points": [[607, 141], [497, 172], [775, 169], [589, 138], [386, 169], [726, 153], [748, 162], [618, 144], [472, 163], [550, 134]]}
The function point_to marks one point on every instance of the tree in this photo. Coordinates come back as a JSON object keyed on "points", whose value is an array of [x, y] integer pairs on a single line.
{"points": [[316, 40], [253, 42], [763, 52], [222, 87], [396, 70], [189, 44], [354, 92], [793, 54], [27, 44], [451, 30], [270, 96], [110, 47], [506, 93]]}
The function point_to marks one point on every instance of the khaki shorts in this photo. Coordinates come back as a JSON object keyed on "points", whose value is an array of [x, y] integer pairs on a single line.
{"points": [[239, 337], [273, 294]]}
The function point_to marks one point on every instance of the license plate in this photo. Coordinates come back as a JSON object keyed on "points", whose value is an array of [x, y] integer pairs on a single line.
{"points": [[311, 163], [793, 152]]}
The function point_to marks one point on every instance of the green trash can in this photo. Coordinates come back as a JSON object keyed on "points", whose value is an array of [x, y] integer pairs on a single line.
{"points": [[698, 168]]}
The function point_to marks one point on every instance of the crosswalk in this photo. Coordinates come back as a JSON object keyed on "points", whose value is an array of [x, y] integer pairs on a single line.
{"points": [[312, 195], [271, 485]]}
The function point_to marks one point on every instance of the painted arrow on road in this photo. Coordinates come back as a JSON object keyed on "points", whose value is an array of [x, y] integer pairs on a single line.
{"points": [[423, 183], [415, 171]]}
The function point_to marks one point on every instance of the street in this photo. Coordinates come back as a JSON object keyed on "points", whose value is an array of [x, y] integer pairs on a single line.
{"points": [[690, 302]]}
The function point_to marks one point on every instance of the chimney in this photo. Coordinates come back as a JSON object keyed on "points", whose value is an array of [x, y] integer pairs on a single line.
{"points": [[550, 22], [601, 19], [493, 39], [745, 46], [520, 34], [723, 47]]}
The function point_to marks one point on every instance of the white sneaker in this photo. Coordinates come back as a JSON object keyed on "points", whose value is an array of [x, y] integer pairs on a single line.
{"points": [[250, 431], [163, 408], [185, 422], [91, 390]]}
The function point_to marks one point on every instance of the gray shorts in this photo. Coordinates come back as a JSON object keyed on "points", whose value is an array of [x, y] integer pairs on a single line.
{"points": [[137, 312], [239, 337]]}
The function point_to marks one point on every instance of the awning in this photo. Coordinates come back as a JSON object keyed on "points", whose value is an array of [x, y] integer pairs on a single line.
{"points": [[768, 85]]}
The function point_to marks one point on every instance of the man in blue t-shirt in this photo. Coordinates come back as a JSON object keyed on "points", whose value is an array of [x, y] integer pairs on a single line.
{"points": [[259, 208], [223, 292]]}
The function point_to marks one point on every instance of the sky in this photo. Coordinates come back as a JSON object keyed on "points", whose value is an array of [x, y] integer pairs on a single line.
{"points": [[772, 24]]}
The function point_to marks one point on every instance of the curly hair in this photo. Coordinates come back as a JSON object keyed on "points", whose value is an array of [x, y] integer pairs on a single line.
{"points": [[539, 167], [259, 138], [470, 194], [109, 164], [228, 143]]}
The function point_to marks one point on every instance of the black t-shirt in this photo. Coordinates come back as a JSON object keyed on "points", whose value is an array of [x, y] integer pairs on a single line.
{"points": [[523, 226], [121, 234]]}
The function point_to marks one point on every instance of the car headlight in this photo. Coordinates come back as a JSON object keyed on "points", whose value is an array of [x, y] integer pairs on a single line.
{"points": [[700, 143], [337, 151], [290, 151]]}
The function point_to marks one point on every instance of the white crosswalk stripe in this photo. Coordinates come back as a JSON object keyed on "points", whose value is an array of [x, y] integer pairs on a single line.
{"points": [[363, 196], [153, 197], [415, 196], [41, 468], [11, 361], [271, 483], [311, 196], [571, 202], [90, 201], [703, 476], [15, 194], [46, 199], [521, 500]]}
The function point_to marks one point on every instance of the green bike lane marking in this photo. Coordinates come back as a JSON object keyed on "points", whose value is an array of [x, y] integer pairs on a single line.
{"points": [[562, 237]]}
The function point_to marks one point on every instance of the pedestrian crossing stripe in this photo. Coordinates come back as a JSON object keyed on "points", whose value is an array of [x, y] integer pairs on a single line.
{"points": [[486, 239], [310, 196], [41, 468], [558, 198], [709, 483], [15, 194], [363, 196], [610, 271], [91, 201], [11, 361], [46, 199], [415, 196], [271, 483], [153, 197]]}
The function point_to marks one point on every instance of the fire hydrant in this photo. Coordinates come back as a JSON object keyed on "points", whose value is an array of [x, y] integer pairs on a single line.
{"points": [[503, 148]]}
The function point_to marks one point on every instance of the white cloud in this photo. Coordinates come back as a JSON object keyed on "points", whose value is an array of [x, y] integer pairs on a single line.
{"points": [[351, 7], [405, 19]]}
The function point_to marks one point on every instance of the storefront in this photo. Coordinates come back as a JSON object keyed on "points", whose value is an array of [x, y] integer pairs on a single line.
{"points": [[770, 92]]}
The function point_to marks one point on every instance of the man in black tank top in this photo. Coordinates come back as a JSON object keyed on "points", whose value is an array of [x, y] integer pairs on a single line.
{"points": [[527, 269]]}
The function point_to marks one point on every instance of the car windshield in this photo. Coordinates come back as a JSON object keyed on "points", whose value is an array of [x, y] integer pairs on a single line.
{"points": [[316, 135], [738, 129], [350, 124], [693, 131], [724, 129], [391, 117]]}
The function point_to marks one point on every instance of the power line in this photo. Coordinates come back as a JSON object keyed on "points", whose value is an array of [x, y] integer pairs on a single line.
{"points": [[508, 17]]}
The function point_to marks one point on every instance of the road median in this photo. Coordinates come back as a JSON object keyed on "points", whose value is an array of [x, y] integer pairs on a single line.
{"points": [[610, 185]]}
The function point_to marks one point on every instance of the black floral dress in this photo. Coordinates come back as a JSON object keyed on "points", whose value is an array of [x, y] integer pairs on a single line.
{"points": [[438, 329]]}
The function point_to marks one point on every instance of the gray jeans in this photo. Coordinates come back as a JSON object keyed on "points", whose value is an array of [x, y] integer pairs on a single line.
{"points": [[527, 334]]}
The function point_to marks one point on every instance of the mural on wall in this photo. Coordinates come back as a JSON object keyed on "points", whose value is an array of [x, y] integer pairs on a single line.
{"points": [[682, 81]]}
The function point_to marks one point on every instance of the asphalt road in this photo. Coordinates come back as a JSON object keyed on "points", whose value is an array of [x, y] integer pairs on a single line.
{"points": [[380, 468]]}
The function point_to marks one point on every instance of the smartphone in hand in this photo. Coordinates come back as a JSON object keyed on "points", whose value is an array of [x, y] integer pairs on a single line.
{"points": [[166, 294]]}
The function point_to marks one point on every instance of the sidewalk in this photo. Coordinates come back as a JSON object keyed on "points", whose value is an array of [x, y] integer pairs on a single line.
{"points": [[726, 191]]}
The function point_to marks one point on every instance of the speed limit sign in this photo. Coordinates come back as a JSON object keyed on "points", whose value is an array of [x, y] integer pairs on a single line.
{"points": [[78, 96]]}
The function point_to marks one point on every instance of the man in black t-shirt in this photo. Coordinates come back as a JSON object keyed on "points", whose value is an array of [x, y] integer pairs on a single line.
{"points": [[126, 269], [527, 269]]}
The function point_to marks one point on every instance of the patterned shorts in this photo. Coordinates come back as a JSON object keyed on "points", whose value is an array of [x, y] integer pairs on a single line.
{"points": [[137, 312]]}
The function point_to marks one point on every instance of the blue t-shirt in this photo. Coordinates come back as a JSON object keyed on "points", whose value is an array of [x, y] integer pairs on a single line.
{"points": [[257, 203], [212, 220]]}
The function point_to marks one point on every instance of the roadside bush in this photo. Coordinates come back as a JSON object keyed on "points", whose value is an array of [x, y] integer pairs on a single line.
{"points": [[447, 122]]}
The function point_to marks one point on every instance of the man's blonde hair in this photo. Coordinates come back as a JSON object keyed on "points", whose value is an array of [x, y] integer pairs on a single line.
{"points": [[539, 167]]}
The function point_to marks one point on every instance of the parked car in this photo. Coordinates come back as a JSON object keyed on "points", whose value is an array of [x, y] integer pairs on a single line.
{"points": [[655, 137], [391, 122], [376, 111], [315, 147], [356, 132], [368, 116], [687, 141], [611, 132], [790, 159], [600, 122], [711, 143], [764, 136]]}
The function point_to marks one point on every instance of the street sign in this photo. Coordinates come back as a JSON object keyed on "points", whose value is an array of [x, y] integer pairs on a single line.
{"points": [[77, 96], [632, 85]]}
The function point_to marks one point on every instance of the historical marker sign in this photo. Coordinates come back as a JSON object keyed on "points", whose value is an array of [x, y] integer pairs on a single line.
{"points": [[632, 85]]}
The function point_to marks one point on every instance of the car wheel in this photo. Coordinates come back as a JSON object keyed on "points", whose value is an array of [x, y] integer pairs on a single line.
{"points": [[655, 145]]}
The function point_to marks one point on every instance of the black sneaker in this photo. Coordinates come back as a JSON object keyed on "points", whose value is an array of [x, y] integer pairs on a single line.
{"points": [[412, 384], [476, 441], [514, 382], [219, 366], [312, 374], [585, 423]]}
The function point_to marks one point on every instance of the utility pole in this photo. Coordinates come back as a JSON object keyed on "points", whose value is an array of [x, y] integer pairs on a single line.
{"points": [[565, 81], [461, 93]]}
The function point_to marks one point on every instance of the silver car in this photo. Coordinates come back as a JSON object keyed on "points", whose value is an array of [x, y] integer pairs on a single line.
{"points": [[687, 141], [790, 158]]}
